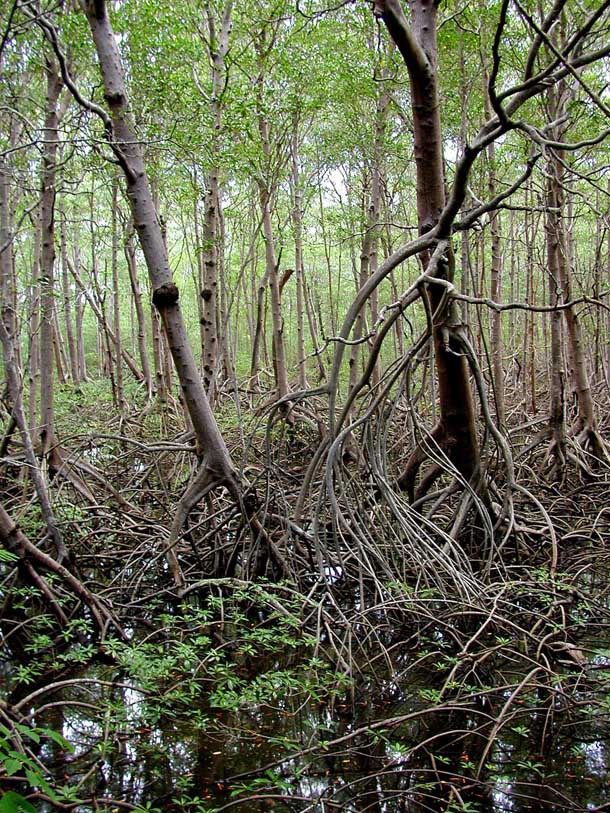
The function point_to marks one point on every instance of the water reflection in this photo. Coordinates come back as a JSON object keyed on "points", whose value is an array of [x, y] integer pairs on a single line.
{"points": [[424, 728]]}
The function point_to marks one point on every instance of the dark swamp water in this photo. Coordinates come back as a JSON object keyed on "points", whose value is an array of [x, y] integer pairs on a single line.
{"points": [[243, 703]]}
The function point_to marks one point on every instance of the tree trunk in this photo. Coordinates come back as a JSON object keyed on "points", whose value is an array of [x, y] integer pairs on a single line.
{"points": [[495, 292], [34, 329], [130, 256], [8, 314], [116, 300], [266, 190], [47, 258], [360, 279], [128, 149], [67, 301], [585, 429], [297, 226], [455, 430], [557, 449], [103, 326], [217, 44]]}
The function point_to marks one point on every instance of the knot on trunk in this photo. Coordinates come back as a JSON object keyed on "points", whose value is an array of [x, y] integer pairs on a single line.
{"points": [[165, 295], [206, 294], [115, 99]]}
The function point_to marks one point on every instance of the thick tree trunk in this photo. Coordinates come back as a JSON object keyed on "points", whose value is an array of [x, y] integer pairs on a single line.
{"points": [[455, 431], [585, 429]]}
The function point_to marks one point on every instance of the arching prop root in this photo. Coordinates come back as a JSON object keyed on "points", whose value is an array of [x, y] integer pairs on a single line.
{"points": [[34, 560], [261, 550], [584, 451]]}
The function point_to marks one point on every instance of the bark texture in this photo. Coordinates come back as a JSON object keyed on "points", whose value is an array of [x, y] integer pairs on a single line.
{"points": [[455, 431]]}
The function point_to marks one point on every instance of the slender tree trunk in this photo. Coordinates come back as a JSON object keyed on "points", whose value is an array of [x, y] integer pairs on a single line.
{"points": [[116, 297], [223, 317], [361, 278], [313, 330], [81, 299], [372, 225], [61, 359], [13, 377], [217, 44], [104, 328], [496, 295], [266, 190], [107, 337], [165, 291], [8, 314], [216, 463], [297, 226], [557, 450], [130, 256], [209, 292], [160, 380], [67, 302], [200, 276], [80, 336], [529, 347], [34, 330], [495, 273], [47, 258]]}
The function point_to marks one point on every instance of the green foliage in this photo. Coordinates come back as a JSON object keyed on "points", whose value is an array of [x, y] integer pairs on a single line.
{"points": [[13, 802], [17, 761]]}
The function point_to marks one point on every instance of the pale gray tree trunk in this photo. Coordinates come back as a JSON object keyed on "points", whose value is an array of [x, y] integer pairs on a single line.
{"points": [[217, 43], [130, 256], [297, 227], [116, 297], [267, 188], [47, 257], [216, 463], [67, 303]]}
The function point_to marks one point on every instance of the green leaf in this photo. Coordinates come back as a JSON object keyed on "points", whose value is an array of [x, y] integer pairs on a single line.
{"points": [[13, 802], [56, 737], [11, 766]]}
